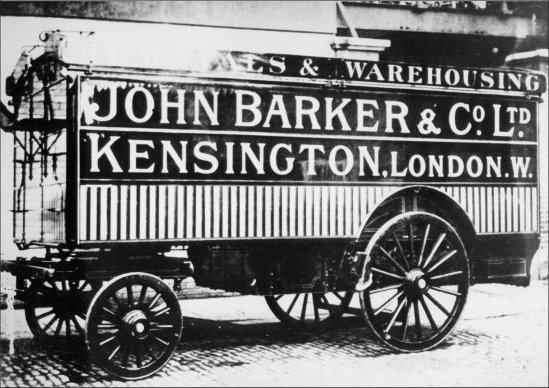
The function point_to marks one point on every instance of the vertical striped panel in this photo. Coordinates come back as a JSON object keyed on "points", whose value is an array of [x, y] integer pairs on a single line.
{"points": [[161, 211], [490, 209], [292, 209], [258, 209], [496, 207], [180, 212], [324, 216], [514, 204], [124, 213], [535, 208], [132, 212], [83, 212], [268, 198], [276, 211], [340, 215], [317, 210], [92, 219], [347, 203], [216, 211], [300, 211], [143, 210], [171, 191], [250, 222], [521, 207], [233, 217], [199, 208], [189, 223], [528, 208], [207, 212], [355, 211]]}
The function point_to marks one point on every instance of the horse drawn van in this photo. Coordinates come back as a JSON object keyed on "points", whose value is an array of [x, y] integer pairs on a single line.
{"points": [[305, 180]]}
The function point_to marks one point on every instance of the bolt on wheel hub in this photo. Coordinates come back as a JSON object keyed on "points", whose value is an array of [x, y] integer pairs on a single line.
{"points": [[136, 323], [416, 280]]}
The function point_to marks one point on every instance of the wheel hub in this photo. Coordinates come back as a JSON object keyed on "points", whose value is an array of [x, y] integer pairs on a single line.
{"points": [[136, 323], [416, 280]]}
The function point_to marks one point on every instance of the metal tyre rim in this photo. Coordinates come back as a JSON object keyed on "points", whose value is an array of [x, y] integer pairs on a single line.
{"points": [[57, 309], [420, 280], [309, 310], [134, 325]]}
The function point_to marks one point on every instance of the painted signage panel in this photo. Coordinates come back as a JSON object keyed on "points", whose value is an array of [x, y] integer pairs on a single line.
{"points": [[231, 132]]}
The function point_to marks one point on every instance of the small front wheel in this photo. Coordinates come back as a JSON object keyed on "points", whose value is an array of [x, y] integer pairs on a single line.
{"points": [[419, 281], [56, 309], [133, 325]]}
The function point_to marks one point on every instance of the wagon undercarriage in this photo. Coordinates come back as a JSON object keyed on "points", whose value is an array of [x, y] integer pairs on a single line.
{"points": [[412, 289]]}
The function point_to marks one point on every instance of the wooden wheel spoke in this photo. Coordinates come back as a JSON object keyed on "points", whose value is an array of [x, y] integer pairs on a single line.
{"points": [[154, 300], [83, 286], [428, 313], [304, 308], [161, 312], [437, 303], [449, 292], [325, 300], [129, 292], [395, 315], [417, 322], [68, 326], [434, 250], [118, 302], [45, 314], [113, 353], [446, 275], [405, 329], [110, 314], [400, 250], [424, 242], [139, 355], [77, 326], [292, 304], [441, 261], [53, 285], [315, 308], [106, 326], [391, 259], [392, 287], [156, 338], [411, 241], [389, 274], [142, 295], [380, 308], [337, 295], [107, 340], [58, 328], [50, 323]]}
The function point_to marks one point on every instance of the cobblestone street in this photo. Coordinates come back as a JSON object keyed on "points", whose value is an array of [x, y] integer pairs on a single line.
{"points": [[502, 340]]}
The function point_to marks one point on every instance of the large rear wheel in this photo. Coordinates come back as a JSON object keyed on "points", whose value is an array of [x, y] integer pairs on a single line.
{"points": [[420, 278]]}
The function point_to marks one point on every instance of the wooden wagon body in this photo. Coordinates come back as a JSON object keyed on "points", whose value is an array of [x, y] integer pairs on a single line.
{"points": [[277, 175]]}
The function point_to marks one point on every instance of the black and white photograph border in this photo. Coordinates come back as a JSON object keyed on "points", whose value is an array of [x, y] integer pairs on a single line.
{"points": [[274, 193]]}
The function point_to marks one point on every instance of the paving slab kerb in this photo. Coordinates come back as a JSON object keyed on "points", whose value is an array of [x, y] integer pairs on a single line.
{"points": [[235, 341]]}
